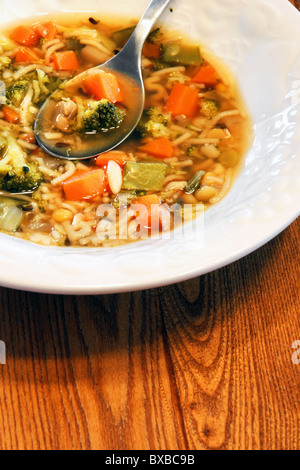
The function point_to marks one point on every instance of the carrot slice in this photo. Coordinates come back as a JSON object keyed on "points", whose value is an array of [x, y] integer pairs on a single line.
{"points": [[205, 74], [10, 115], [183, 100], [26, 55], [46, 30], [102, 85], [116, 156], [25, 35], [85, 185], [152, 51], [65, 60], [161, 148]]}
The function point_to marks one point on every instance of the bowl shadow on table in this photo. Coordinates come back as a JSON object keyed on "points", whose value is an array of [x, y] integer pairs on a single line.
{"points": [[197, 312]]}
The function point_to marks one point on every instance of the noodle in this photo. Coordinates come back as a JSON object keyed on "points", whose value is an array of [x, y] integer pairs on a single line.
{"points": [[180, 140], [225, 188], [24, 110], [51, 51], [97, 45]]}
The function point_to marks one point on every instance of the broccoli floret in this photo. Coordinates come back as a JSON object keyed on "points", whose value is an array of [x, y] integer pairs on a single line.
{"points": [[193, 151], [15, 94], [209, 108], [5, 63], [98, 116], [154, 123], [155, 36], [16, 175]]}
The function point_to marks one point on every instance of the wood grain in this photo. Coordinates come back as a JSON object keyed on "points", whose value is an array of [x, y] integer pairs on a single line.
{"points": [[205, 364]]}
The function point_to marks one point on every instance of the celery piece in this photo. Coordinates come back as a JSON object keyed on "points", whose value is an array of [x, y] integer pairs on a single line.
{"points": [[179, 54], [121, 36], [11, 216], [144, 176], [195, 182]]}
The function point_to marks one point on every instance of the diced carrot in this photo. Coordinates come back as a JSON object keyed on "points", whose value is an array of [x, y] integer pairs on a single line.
{"points": [[205, 74], [149, 200], [150, 217], [65, 60], [26, 55], [46, 30], [102, 85], [25, 35], [183, 100], [151, 51], [10, 115], [161, 148], [85, 185], [115, 155], [30, 138]]}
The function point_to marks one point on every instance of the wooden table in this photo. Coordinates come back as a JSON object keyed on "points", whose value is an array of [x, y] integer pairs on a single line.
{"points": [[205, 364]]}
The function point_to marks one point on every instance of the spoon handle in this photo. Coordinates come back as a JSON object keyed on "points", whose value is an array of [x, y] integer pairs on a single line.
{"points": [[134, 46]]}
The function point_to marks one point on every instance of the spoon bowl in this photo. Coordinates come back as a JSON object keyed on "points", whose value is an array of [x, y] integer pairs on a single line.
{"points": [[126, 66]]}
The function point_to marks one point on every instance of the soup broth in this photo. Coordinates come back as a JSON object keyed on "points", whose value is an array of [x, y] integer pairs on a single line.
{"points": [[187, 149]]}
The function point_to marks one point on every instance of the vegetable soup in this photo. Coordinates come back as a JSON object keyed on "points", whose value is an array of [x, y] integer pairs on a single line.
{"points": [[186, 150]]}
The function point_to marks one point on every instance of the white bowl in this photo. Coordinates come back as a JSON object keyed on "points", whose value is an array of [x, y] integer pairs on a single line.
{"points": [[259, 40]]}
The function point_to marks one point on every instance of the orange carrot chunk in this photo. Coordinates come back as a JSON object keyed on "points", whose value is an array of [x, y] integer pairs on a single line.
{"points": [[103, 85], [161, 148], [10, 115], [46, 30], [152, 51], [25, 35], [116, 156], [85, 185], [150, 217], [183, 100], [26, 55], [65, 60], [205, 74]]}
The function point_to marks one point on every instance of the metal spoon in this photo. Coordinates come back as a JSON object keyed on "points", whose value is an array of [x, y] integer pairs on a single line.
{"points": [[126, 64]]}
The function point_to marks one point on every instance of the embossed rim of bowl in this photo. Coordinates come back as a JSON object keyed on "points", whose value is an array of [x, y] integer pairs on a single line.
{"points": [[258, 40]]}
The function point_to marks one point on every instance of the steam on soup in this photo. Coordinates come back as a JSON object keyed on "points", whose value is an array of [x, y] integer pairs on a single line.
{"points": [[187, 148]]}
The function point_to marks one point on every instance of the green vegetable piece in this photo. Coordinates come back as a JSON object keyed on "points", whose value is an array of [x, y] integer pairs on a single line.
{"points": [[98, 116], [155, 36], [11, 216], [229, 158], [73, 44], [5, 62], [144, 176], [194, 151], [121, 37], [154, 122], [18, 176], [15, 94], [179, 54], [195, 182], [209, 108]]}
